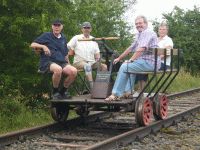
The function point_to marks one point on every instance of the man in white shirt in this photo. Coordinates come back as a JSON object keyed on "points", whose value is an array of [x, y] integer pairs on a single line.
{"points": [[86, 53], [164, 41]]}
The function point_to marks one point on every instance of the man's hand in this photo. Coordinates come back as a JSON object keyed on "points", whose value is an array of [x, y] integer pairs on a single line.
{"points": [[128, 61], [97, 59], [46, 50], [116, 60]]}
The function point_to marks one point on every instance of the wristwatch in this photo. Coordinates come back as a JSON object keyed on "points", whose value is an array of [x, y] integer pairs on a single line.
{"points": [[130, 60]]}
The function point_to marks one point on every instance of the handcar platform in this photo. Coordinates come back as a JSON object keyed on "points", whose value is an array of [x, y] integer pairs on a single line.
{"points": [[86, 99]]}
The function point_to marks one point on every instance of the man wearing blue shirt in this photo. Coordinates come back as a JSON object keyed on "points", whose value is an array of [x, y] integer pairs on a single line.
{"points": [[53, 58]]}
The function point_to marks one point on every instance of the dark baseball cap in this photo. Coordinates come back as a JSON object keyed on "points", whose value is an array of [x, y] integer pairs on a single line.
{"points": [[57, 21], [86, 24]]}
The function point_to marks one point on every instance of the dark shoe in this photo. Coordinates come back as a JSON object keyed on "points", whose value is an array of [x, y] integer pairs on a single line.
{"points": [[66, 95], [57, 96], [85, 92]]}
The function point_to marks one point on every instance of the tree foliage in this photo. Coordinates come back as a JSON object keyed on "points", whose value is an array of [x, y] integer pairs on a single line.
{"points": [[185, 31], [22, 21]]}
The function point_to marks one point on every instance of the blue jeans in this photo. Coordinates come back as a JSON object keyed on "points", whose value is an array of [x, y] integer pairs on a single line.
{"points": [[125, 82], [163, 66]]}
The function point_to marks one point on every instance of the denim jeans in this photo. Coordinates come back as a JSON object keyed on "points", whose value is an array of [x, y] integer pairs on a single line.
{"points": [[163, 66], [125, 82]]}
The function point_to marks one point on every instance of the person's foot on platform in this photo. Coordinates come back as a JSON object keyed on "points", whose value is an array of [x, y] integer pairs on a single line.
{"points": [[127, 95], [112, 98], [66, 95], [85, 92], [136, 94], [57, 96]]}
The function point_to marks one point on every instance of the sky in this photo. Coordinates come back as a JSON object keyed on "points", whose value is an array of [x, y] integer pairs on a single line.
{"points": [[153, 9]]}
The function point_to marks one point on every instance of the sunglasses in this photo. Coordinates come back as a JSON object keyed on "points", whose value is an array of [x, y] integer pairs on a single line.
{"points": [[86, 27], [57, 25]]}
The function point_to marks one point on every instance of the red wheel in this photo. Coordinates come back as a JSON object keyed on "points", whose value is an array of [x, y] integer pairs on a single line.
{"points": [[143, 111], [161, 107]]}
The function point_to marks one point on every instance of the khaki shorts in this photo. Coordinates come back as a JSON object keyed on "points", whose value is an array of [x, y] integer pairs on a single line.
{"points": [[80, 65]]}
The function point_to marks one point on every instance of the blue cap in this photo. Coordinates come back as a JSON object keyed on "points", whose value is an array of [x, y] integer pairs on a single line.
{"points": [[57, 21]]}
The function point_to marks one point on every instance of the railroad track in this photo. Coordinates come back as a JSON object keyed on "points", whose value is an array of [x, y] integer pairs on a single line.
{"points": [[101, 132]]}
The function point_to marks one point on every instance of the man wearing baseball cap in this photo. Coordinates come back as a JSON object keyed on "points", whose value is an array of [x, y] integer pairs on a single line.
{"points": [[86, 53], [54, 59]]}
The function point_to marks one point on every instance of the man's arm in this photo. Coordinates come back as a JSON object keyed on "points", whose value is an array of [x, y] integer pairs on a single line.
{"points": [[137, 53], [124, 54], [71, 52], [46, 50]]}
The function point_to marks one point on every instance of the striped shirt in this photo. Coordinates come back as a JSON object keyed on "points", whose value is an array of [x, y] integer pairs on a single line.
{"points": [[146, 39]]}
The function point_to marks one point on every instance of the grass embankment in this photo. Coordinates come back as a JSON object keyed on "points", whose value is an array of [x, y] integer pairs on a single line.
{"points": [[184, 81], [15, 116]]}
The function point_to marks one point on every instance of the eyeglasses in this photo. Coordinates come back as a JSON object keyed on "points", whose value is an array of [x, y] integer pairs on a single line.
{"points": [[57, 25], [86, 27]]}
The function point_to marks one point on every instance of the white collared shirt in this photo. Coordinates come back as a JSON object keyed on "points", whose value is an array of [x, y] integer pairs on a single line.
{"points": [[163, 43], [84, 50]]}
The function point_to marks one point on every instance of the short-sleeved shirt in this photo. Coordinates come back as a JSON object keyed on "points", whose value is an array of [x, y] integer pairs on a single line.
{"points": [[163, 43], [84, 50], [57, 47], [146, 39]]}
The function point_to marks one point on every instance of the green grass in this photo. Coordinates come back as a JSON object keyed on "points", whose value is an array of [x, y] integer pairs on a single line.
{"points": [[24, 119], [27, 119], [14, 115], [184, 81]]}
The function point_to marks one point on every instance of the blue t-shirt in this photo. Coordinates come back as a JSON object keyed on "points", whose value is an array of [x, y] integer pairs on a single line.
{"points": [[57, 46]]}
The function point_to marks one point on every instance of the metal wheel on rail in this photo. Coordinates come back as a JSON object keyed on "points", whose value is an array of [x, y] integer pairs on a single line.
{"points": [[59, 112], [81, 111], [143, 111], [160, 105]]}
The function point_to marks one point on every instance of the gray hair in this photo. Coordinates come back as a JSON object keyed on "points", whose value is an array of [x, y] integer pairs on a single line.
{"points": [[164, 24], [142, 17]]}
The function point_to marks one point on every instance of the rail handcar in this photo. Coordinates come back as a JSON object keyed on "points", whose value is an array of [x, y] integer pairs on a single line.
{"points": [[154, 103]]}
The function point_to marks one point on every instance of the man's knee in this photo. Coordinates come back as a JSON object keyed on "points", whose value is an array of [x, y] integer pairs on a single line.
{"points": [[70, 71], [123, 67], [88, 69], [73, 71], [57, 71]]}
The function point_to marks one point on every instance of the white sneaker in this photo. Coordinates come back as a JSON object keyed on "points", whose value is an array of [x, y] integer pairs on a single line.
{"points": [[136, 94], [145, 94]]}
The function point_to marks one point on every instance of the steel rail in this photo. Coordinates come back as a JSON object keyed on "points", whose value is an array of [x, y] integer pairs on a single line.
{"points": [[128, 137], [11, 137]]}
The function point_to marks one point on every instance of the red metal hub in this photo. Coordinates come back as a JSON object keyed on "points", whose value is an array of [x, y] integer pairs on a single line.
{"points": [[163, 107], [147, 111], [143, 111]]}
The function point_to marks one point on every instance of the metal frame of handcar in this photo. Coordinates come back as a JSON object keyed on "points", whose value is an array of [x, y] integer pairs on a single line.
{"points": [[154, 102]]}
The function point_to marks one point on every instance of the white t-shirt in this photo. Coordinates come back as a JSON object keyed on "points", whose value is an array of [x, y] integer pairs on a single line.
{"points": [[84, 50], [163, 43]]}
